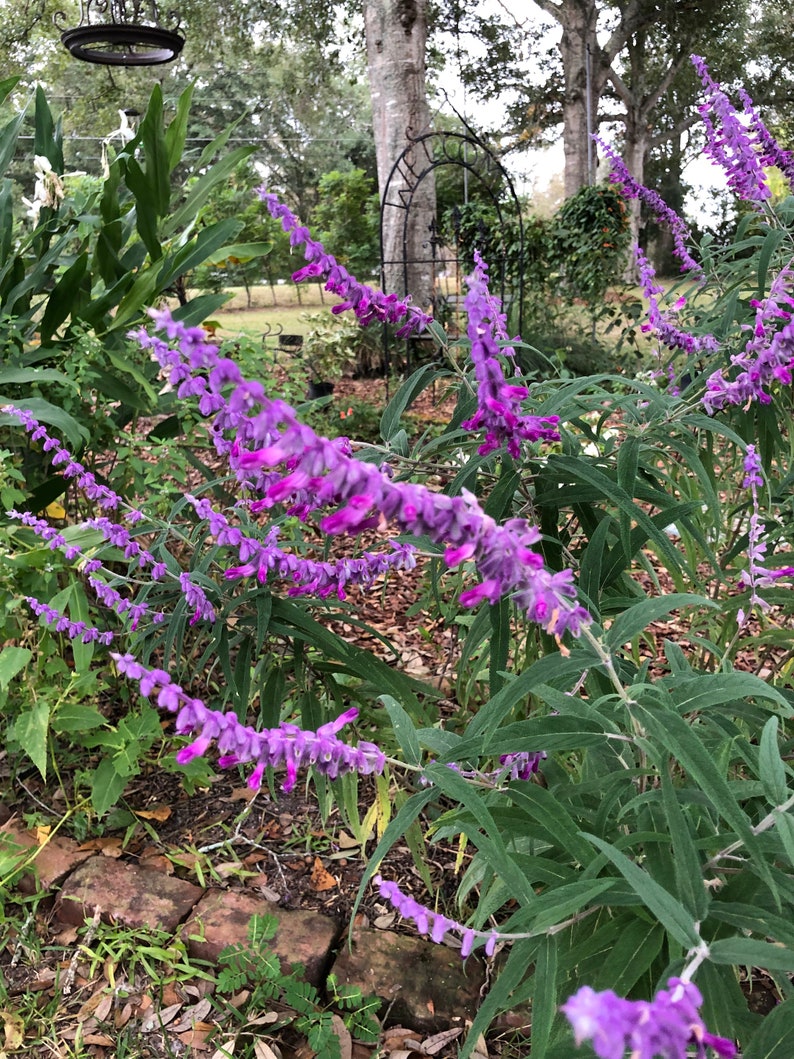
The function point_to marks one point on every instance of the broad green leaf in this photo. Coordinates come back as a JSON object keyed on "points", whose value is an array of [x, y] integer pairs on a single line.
{"points": [[545, 1001], [774, 1039], [176, 133], [186, 214], [688, 872], [74, 717], [770, 766], [747, 952], [47, 136], [30, 730], [669, 911], [241, 251], [637, 946], [12, 661], [63, 298], [405, 396], [53, 416], [17, 376], [639, 616], [107, 786], [404, 729]]}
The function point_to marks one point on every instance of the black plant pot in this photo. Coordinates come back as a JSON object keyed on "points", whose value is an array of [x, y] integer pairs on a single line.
{"points": [[317, 388]]}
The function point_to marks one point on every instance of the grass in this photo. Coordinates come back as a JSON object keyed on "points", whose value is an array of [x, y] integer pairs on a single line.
{"points": [[272, 308]]}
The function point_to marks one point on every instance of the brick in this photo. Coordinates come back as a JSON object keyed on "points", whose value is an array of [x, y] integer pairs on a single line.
{"points": [[221, 918], [126, 894], [54, 859], [426, 986]]}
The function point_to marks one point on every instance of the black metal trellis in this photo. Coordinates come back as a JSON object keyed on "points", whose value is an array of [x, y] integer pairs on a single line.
{"points": [[423, 155]]}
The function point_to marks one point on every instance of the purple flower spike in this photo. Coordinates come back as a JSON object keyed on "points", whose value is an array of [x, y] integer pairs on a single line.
{"points": [[739, 143], [368, 305], [767, 358], [659, 322], [661, 211], [665, 1027], [287, 746], [498, 403]]}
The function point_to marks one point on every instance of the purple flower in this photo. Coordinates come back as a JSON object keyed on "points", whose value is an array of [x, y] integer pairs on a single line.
{"points": [[368, 305], [756, 576], [498, 403], [666, 1026], [659, 322], [74, 629], [434, 924], [661, 211], [767, 358], [315, 473], [287, 746], [740, 144]]}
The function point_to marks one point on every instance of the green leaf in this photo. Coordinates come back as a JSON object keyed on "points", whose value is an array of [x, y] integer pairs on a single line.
{"points": [[405, 396], [775, 1037], [545, 1001], [242, 251], [63, 298], [30, 730], [639, 616], [12, 661], [770, 766], [637, 946], [185, 214], [74, 717], [176, 133], [679, 739], [669, 911], [107, 786], [48, 413], [404, 730], [688, 872], [519, 958], [747, 952]]}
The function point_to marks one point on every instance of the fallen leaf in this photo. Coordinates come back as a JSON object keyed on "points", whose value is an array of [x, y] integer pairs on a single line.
{"points": [[161, 1018], [241, 794], [225, 1050], [108, 847], [434, 1044], [159, 813], [343, 1035], [42, 834], [193, 1015], [14, 1029], [98, 1038], [345, 841], [320, 878], [262, 1050], [263, 1020], [157, 863]]}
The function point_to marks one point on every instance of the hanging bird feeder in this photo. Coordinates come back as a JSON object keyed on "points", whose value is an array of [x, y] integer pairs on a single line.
{"points": [[122, 33]]}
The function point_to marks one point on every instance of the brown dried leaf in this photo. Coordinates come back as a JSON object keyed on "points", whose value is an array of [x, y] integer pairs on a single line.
{"points": [[434, 1044], [157, 862], [159, 813], [343, 1034], [262, 1050], [321, 879], [14, 1029]]}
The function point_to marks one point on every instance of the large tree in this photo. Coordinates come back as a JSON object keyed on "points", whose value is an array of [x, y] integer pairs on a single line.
{"points": [[396, 35]]}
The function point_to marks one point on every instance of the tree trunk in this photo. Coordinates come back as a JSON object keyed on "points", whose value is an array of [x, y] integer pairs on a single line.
{"points": [[396, 32]]}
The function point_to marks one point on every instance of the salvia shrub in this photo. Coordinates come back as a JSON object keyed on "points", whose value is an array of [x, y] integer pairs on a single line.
{"points": [[615, 555]]}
